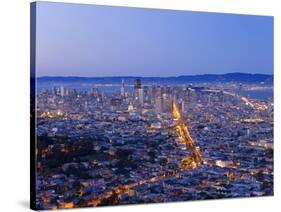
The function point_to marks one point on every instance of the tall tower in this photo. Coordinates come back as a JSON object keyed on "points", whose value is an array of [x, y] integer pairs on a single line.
{"points": [[159, 104], [54, 91], [167, 102], [137, 85], [62, 91], [137, 88], [141, 96], [122, 89]]}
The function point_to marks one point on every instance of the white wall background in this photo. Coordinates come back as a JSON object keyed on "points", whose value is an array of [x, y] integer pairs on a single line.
{"points": [[14, 102]]}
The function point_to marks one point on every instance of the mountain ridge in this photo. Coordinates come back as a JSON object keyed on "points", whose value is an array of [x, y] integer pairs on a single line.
{"points": [[228, 77]]}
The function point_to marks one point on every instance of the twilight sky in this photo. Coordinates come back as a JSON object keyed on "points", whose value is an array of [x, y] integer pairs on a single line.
{"points": [[94, 41]]}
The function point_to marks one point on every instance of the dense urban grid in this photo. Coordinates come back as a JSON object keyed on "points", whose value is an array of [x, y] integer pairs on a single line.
{"points": [[145, 143]]}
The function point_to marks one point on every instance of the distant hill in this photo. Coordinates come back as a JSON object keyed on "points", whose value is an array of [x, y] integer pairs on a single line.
{"points": [[230, 77]]}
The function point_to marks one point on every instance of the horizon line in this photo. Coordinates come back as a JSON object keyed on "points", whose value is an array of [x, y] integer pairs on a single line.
{"points": [[68, 76]]}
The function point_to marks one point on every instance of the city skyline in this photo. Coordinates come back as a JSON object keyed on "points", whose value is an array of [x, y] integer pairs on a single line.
{"points": [[95, 41], [125, 146]]}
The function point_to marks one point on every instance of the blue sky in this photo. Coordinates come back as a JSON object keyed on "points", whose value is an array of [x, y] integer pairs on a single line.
{"points": [[95, 41]]}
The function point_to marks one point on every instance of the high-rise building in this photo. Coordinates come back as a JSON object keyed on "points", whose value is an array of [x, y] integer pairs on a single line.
{"points": [[183, 106], [54, 91], [62, 90], [167, 103], [75, 93], [137, 84], [141, 96], [94, 92], [153, 94], [67, 92], [138, 93], [158, 104], [122, 89]]}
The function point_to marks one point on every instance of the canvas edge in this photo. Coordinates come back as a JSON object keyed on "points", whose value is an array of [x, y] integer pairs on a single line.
{"points": [[32, 106]]}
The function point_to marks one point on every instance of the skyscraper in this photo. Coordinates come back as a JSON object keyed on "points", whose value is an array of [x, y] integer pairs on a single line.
{"points": [[141, 96], [62, 91], [167, 103], [54, 91], [138, 93], [137, 84], [158, 104], [122, 89]]}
